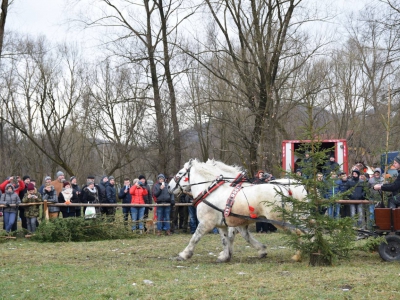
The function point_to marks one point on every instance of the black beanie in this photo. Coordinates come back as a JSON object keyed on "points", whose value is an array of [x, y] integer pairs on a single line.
{"points": [[25, 177], [141, 177]]}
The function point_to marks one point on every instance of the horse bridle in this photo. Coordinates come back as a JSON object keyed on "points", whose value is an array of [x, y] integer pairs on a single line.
{"points": [[177, 179]]}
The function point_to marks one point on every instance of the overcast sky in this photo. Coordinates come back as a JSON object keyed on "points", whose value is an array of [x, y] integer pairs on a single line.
{"points": [[46, 17]]}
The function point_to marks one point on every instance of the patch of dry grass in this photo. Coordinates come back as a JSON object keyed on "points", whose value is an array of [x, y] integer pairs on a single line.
{"points": [[122, 269]]}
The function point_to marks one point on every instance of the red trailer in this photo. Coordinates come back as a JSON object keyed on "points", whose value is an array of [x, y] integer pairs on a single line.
{"points": [[291, 157]]}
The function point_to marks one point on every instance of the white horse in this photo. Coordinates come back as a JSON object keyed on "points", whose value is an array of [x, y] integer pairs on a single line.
{"points": [[251, 200]]}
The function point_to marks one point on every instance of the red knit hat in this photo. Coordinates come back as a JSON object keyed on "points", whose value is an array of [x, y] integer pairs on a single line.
{"points": [[31, 187], [66, 183]]}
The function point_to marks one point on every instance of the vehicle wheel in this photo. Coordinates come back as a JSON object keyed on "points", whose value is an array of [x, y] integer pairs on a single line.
{"points": [[391, 250]]}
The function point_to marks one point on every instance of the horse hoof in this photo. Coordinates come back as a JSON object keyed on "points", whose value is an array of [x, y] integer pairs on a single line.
{"points": [[179, 258], [224, 260], [262, 255]]}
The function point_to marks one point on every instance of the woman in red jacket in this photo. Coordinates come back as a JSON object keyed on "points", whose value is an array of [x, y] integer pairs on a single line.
{"points": [[137, 192]]}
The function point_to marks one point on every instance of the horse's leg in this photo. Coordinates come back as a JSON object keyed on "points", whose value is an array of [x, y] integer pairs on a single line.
{"points": [[262, 249], [227, 243], [201, 230]]}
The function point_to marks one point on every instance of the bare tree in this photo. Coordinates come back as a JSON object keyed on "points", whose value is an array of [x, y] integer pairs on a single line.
{"points": [[46, 87]]}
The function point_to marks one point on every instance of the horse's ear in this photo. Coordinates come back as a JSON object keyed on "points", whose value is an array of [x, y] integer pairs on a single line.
{"points": [[190, 162]]}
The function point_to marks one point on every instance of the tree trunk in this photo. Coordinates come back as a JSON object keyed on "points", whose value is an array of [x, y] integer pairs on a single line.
{"points": [[3, 16], [174, 118]]}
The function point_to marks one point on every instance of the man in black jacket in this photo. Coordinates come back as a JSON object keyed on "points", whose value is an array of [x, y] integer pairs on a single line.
{"points": [[394, 187], [126, 198]]}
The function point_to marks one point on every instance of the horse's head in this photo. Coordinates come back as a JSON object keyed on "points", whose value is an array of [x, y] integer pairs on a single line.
{"points": [[180, 182]]}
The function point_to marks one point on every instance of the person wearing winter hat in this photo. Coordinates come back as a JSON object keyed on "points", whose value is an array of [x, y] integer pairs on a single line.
{"points": [[50, 195], [8, 198], [161, 193], [47, 181], [394, 187], [89, 180], [31, 212], [137, 195], [21, 209], [359, 190], [58, 183]]}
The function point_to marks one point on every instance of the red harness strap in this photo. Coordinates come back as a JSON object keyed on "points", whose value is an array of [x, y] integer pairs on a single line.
{"points": [[213, 186], [241, 177], [231, 199]]}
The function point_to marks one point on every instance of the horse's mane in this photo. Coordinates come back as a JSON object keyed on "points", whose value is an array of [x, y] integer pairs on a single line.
{"points": [[213, 168], [232, 170]]}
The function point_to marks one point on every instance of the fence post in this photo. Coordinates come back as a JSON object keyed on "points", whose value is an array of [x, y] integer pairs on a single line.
{"points": [[46, 210]]}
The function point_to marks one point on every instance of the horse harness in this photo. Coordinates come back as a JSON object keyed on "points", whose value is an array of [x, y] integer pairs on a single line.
{"points": [[237, 184]]}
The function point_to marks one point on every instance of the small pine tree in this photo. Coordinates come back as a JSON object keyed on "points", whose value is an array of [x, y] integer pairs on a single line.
{"points": [[324, 239]]}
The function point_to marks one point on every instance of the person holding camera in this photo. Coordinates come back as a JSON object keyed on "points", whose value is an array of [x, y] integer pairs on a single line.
{"points": [[31, 212], [126, 198], [161, 193], [138, 192]]}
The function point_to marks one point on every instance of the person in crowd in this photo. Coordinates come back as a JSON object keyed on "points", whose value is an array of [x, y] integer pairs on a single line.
{"points": [[393, 187], [332, 188], [90, 195], [126, 198], [89, 178], [50, 195], [181, 215], [102, 191], [148, 199], [331, 166], [40, 190], [306, 165], [11, 200], [193, 221], [138, 192], [358, 192], [21, 209], [68, 196], [344, 210], [111, 196], [377, 178], [299, 173], [160, 191], [18, 185], [77, 190], [33, 181], [262, 178], [322, 189], [58, 182], [32, 211]]}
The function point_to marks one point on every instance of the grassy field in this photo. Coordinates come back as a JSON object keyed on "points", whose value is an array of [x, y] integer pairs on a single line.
{"points": [[144, 268]]}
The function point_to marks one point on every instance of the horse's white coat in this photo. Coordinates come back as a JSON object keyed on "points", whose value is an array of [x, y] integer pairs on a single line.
{"points": [[261, 197]]}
